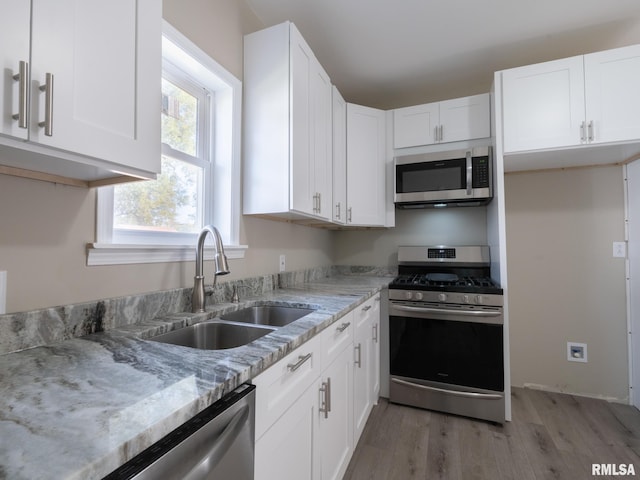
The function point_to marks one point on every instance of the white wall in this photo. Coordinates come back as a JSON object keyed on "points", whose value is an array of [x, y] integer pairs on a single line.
{"points": [[564, 284], [379, 247]]}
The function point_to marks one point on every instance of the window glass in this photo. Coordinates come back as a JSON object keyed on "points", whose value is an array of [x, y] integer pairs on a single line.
{"points": [[179, 119], [170, 204]]}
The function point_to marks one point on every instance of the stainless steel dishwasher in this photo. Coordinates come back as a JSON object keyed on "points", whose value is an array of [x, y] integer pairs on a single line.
{"points": [[218, 443]]}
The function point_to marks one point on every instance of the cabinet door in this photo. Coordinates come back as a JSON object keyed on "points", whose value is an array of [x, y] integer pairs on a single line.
{"points": [[336, 426], [365, 165], [339, 113], [301, 68], [105, 60], [14, 48], [543, 105], [362, 401], [415, 125], [612, 80], [374, 360], [322, 136], [465, 118], [289, 449]]}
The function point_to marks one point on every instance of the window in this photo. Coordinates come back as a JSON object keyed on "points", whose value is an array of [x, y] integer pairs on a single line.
{"points": [[155, 221]]}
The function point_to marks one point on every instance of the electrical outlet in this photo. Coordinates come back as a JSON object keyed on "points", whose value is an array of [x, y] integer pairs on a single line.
{"points": [[282, 263], [619, 249], [577, 352], [3, 292]]}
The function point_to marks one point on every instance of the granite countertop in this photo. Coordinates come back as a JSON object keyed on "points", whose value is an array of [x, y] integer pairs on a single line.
{"points": [[80, 408]]}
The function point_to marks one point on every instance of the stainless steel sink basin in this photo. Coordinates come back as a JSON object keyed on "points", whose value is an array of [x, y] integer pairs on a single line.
{"points": [[272, 315], [213, 335]]}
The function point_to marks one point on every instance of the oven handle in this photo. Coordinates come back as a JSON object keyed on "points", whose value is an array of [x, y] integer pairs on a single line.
{"points": [[456, 393], [466, 315]]}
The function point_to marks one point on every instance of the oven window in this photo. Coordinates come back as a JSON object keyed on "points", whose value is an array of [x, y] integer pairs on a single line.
{"points": [[459, 353], [431, 176]]}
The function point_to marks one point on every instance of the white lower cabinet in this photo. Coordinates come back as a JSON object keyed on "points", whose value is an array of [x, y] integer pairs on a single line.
{"points": [[335, 424], [366, 362], [311, 406], [288, 450]]}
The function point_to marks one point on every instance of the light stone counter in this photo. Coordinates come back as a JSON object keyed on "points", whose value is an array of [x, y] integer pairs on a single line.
{"points": [[79, 408]]}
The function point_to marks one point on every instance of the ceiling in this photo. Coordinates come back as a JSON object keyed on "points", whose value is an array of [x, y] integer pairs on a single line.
{"points": [[393, 53]]}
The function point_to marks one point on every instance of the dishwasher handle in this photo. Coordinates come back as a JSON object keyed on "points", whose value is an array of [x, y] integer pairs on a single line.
{"points": [[220, 446]]}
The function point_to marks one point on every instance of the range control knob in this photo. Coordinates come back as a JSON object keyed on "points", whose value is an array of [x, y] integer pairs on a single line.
{"points": [[407, 295], [479, 299], [442, 297], [466, 299], [419, 296]]}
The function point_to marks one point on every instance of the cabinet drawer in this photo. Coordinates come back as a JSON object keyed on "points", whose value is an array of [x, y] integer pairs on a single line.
{"points": [[278, 387], [336, 338]]}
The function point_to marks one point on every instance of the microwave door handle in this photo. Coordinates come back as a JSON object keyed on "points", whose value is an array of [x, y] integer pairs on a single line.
{"points": [[469, 172]]}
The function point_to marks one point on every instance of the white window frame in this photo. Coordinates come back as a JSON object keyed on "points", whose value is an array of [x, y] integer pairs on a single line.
{"points": [[224, 187]]}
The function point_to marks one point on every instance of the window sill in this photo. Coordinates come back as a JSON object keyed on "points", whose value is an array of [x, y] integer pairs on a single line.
{"points": [[120, 254]]}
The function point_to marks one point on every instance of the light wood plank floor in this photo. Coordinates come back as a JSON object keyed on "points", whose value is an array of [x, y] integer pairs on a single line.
{"points": [[552, 436]]}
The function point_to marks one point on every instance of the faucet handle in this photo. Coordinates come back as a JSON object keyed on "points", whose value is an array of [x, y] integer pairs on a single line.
{"points": [[234, 296]]}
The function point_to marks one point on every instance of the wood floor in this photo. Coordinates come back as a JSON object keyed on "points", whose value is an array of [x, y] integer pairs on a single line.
{"points": [[552, 436]]}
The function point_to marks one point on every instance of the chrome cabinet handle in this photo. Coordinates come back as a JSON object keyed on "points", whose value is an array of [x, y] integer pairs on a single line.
{"points": [[325, 389], [301, 359], [349, 215], [435, 133], [366, 308], [358, 362], [375, 333], [583, 137], [47, 88], [590, 130], [343, 327], [338, 210], [319, 202], [441, 133], [22, 77]]}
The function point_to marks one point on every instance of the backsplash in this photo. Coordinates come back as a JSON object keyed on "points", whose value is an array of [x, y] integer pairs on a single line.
{"points": [[19, 331]]}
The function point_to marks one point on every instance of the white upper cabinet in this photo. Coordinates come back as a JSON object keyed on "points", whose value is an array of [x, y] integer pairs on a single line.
{"points": [[339, 113], [366, 140], [453, 120], [582, 100], [612, 90], [93, 89], [14, 52], [288, 127]]}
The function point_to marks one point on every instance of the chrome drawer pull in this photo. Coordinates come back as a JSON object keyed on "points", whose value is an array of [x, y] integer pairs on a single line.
{"points": [[375, 333], [366, 308], [343, 327], [301, 359]]}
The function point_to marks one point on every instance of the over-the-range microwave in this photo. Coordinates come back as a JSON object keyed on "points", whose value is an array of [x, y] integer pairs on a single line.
{"points": [[455, 178]]}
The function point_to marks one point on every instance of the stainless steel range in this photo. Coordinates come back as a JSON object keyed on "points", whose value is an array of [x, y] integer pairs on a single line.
{"points": [[446, 332]]}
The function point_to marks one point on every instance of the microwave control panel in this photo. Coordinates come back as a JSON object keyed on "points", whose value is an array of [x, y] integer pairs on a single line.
{"points": [[480, 172]]}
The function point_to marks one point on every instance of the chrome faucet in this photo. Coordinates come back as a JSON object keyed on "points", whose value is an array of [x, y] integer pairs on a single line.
{"points": [[220, 262]]}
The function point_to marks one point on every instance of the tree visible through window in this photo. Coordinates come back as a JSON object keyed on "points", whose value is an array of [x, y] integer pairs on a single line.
{"points": [[173, 202]]}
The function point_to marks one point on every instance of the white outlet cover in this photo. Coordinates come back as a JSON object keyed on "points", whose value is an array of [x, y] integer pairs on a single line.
{"points": [[572, 352], [619, 249]]}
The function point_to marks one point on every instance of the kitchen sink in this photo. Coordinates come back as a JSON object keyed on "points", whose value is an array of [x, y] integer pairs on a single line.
{"points": [[271, 315], [214, 335]]}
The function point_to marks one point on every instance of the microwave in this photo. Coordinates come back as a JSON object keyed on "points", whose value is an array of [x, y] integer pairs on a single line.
{"points": [[450, 178]]}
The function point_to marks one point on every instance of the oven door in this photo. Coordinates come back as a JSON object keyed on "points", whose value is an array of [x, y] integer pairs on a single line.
{"points": [[447, 358]]}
